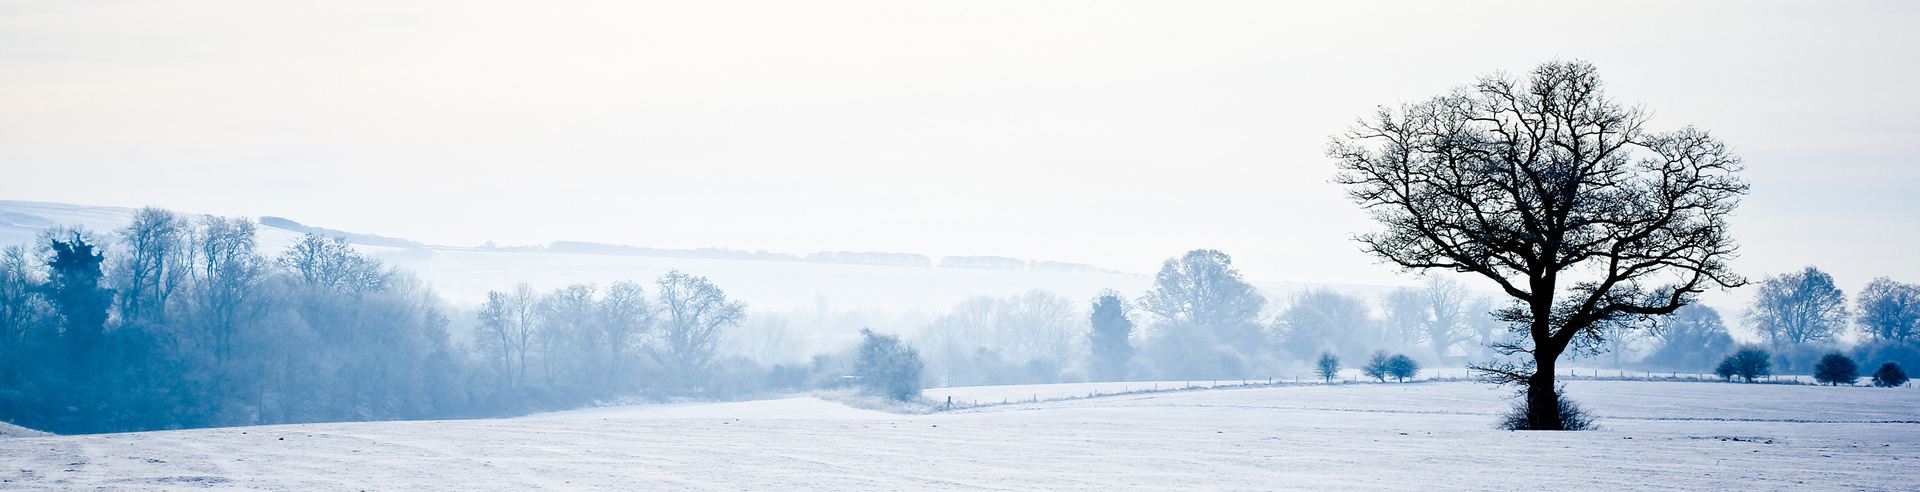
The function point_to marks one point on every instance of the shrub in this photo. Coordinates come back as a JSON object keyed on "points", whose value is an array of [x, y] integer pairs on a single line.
{"points": [[888, 367], [1402, 367], [1377, 366], [1890, 375], [1836, 368], [1572, 417], [1749, 364]]}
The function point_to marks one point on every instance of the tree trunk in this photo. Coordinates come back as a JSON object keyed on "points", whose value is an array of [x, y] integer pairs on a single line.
{"points": [[1543, 402]]}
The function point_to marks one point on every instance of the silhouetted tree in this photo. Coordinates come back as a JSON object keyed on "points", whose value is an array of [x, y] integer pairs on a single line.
{"points": [[1112, 337], [1402, 367], [1836, 368], [74, 287], [888, 367], [1328, 367], [1797, 308], [1749, 364], [1889, 375], [1556, 194]]}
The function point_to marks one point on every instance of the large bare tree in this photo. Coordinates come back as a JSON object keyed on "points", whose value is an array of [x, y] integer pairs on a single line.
{"points": [[1558, 195]]}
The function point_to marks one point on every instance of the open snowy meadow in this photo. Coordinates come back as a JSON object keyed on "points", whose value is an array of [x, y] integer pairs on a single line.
{"points": [[1415, 436]]}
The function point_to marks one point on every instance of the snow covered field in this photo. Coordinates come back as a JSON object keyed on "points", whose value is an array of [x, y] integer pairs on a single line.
{"points": [[1657, 435]]}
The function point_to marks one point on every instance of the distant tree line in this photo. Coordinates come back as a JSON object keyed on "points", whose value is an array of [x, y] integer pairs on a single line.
{"points": [[176, 321]]}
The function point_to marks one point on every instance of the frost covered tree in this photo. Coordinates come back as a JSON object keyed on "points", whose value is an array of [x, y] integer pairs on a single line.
{"points": [[227, 274], [330, 263], [1378, 367], [1402, 367], [1559, 196], [1206, 318], [1797, 308], [1111, 339], [1322, 320], [887, 366], [1328, 366], [1889, 311], [625, 317], [151, 265], [693, 314], [1689, 339], [508, 323]]}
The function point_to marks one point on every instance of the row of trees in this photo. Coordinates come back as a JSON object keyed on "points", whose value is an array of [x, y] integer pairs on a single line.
{"points": [[175, 321]]}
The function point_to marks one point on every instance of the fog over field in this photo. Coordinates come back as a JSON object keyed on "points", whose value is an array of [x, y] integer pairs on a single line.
{"points": [[993, 245]]}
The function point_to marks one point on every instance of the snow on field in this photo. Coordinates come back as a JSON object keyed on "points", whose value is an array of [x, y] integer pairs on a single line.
{"points": [[1421, 436]]}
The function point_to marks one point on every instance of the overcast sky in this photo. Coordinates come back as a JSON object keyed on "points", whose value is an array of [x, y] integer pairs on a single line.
{"points": [[1111, 133]]}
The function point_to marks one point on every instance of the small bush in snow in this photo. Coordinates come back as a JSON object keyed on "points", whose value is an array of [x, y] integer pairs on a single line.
{"points": [[1329, 366], [1572, 417], [1402, 367], [1748, 364], [888, 367], [1377, 366], [1889, 375], [1835, 369]]}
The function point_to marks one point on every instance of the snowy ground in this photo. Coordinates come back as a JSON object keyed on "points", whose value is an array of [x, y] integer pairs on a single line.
{"points": [[1658, 435]]}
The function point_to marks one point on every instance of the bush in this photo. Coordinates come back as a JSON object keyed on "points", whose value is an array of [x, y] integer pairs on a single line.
{"points": [[888, 367], [1572, 417], [1890, 375], [1377, 366], [1749, 364], [1402, 367], [1836, 368]]}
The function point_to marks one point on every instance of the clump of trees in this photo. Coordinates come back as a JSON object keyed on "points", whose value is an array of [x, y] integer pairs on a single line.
{"points": [[176, 321], [1566, 201], [1889, 375], [1835, 369], [888, 367], [1748, 364], [1031, 337]]}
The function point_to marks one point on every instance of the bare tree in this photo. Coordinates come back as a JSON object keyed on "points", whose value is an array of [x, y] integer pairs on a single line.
{"points": [[1889, 310], [694, 313], [1445, 300], [1557, 195], [227, 273], [1798, 308], [508, 322], [330, 263], [152, 264], [626, 316]]}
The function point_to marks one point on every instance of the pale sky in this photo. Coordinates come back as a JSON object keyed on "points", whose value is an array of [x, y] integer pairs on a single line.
{"points": [[1111, 133]]}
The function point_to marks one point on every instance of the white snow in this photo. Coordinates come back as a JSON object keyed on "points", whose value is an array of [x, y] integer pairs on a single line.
{"points": [[1417, 436]]}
